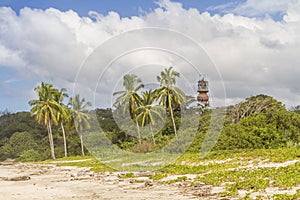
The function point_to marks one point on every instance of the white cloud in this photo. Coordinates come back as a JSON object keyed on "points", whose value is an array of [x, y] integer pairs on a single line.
{"points": [[293, 14], [10, 57], [253, 55], [263, 7], [255, 8]]}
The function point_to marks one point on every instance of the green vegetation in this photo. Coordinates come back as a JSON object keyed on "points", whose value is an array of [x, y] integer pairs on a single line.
{"points": [[80, 117], [81, 161], [178, 179], [251, 171], [63, 115], [234, 170], [169, 95], [266, 125], [258, 137], [254, 180], [21, 145], [46, 108], [273, 155], [260, 122], [148, 113], [30, 155], [256, 131], [127, 175], [287, 196], [158, 176], [49, 110], [129, 98], [20, 132]]}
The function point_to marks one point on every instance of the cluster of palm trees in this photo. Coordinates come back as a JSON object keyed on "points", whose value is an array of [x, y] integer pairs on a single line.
{"points": [[141, 106], [49, 110]]}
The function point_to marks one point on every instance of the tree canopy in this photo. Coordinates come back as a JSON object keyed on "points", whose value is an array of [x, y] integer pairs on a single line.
{"points": [[257, 122]]}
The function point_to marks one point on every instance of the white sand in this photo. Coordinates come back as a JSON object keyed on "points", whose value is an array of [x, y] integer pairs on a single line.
{"points": [[53, 182]]}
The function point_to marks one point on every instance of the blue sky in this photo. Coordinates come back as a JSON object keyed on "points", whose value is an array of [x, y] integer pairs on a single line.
{"points": [[124, 8], [15, 102], [249, 35]]}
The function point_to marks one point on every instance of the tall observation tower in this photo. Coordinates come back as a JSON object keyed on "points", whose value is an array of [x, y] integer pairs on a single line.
{"points": [[203, 98]]}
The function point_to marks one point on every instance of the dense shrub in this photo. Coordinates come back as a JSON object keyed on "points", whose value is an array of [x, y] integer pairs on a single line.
{"points": [[18, 142], [258, 122], [30, 155]]}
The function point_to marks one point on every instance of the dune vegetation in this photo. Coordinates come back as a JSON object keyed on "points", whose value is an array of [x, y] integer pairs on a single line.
{"points": [[258, 147]]}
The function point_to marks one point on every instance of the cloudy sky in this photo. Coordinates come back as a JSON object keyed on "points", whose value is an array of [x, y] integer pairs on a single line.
{"points": [[246, 47]]}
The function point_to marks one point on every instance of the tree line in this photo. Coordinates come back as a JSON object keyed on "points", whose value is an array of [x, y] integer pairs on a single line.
{"points": [[146, 106], [50, 110], [258, 122]]}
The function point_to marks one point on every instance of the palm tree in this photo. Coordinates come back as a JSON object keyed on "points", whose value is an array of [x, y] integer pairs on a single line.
{"points": [[63, 115], [168, 94], [129, 98], [147, 112], [80, 116], [45, 109]]}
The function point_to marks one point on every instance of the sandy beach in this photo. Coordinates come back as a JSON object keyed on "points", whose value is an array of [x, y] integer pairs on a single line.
{"points": [[26, 181], [48, 181]]}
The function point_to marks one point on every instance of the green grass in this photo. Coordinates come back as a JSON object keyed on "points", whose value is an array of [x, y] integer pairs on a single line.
{"points": [[178, 179], [126, 161], [69, 158], [236, 178], [287, 196], [216, 173], [193, 160], [254, 180], [158, 176], [89, 161], [127, 175], [273, 155], [199, 169]]}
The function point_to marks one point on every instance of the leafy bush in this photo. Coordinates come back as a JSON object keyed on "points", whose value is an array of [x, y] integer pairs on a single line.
{"points": [[30, 155], [127, 175], [18, 142], [144, 147], [260, 122]]}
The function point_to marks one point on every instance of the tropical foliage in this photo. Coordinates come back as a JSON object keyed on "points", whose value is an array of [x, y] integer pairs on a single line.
{"points": [[147, 113], [80, 117], [63, 115], [168, 94], [259, 122], [46, 108], [129, 98]]}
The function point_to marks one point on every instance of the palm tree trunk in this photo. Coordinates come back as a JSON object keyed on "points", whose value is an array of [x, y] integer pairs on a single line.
{"points": [[173, 121], [65, 140], [172, 116], [139, 133], [150, 125], [51, 140], [81, 141]]}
